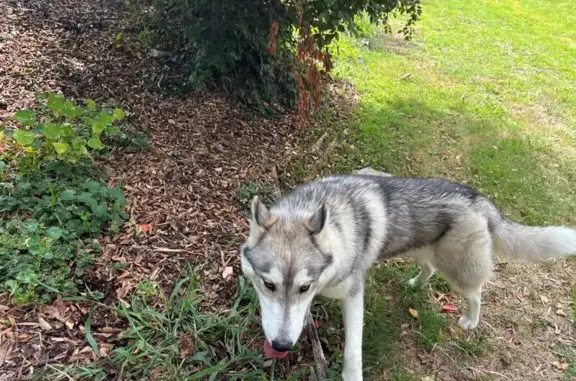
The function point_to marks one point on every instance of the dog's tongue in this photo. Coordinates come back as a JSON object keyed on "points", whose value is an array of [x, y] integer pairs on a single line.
{"points": [[271, 353]]}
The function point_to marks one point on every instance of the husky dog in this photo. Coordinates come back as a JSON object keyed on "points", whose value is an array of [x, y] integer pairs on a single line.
{"points": [[324, 236]]}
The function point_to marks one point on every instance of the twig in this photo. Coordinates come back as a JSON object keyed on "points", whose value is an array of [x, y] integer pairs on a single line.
{"points": [[319, 359], [488, 371], [60, 372], [277, 192], [320, 365], [167, 250]]}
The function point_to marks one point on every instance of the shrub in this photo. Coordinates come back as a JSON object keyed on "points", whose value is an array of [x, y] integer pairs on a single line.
{"points": [[263, 51], [53, 199]]}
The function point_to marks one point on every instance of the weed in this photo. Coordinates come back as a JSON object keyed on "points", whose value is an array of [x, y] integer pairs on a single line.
{"points": [[250, 188], [179, 341], [472, 347], [388, 302], [54, 199], [439, 283], [147, 288], [568, 355]]}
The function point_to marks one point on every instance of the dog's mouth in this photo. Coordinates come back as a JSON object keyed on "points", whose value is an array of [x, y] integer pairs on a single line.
{"points": [[272, 353]]}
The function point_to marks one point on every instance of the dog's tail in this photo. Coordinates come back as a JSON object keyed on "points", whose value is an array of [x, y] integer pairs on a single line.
{"points": [[530, 243]]}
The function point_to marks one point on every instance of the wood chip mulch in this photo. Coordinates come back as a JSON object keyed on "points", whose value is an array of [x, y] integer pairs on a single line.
{"points": [[182, 193]]}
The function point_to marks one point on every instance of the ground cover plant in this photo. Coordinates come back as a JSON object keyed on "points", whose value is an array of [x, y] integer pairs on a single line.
{"points": [[54, 201]]}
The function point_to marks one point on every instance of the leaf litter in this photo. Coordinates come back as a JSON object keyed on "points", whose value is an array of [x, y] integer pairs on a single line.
{"points": [[181, 192]]}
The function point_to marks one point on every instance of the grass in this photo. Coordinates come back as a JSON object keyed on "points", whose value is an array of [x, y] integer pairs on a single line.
{"points": [[569, 356], [389, 301], [172, 338], [483, 95], [487, 102]]}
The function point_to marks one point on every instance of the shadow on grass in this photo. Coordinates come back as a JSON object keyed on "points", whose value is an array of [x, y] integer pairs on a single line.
{"points": [[526, 178]]}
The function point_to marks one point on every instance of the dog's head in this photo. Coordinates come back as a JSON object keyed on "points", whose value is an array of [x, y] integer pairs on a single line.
{"points": [[287, 258]]}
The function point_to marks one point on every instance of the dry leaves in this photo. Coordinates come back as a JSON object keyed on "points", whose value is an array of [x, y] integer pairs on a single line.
{"points": [[187, 347], [449, 308], [184, 188], [228, 271]]}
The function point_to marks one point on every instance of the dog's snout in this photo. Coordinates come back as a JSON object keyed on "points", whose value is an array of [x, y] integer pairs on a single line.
{"points": [[281, 345]]}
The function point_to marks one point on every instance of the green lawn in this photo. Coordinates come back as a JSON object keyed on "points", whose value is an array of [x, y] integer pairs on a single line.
{"points": [[484, 94], [490, 101]]}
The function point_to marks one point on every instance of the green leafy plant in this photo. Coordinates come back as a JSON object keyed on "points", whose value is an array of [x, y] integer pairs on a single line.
{"points": [[54, 200], [263, 52], [62, 131]]}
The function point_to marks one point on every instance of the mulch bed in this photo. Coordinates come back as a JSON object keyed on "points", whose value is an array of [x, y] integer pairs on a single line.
{"points": [[182, 193]]}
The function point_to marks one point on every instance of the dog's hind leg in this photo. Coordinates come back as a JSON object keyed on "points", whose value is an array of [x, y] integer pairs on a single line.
{"points": [[423, 256], [464, 256], [426, 272], [472, 317]]}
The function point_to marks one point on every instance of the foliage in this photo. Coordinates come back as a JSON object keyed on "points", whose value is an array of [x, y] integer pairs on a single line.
{"points": [[250, 188], [64, 133], [266, 51], [53, 199]]}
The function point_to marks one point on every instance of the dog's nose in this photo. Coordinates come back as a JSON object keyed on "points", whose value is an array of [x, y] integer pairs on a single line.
{"points": [[281, 345]]}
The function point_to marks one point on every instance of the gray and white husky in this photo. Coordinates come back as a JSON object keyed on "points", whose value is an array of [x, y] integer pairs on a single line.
{"points": [[324, 236]]}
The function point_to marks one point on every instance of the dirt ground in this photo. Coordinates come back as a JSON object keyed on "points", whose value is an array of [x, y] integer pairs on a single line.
{"points": [[525, 333], [202, 149]]}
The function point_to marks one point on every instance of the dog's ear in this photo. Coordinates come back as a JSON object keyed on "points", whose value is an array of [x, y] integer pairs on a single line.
{"points": [[261, 215], [316, 223]]}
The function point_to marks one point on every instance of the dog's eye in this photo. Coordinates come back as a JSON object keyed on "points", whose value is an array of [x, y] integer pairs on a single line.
{"points": [[304, 288], [269, 285]]}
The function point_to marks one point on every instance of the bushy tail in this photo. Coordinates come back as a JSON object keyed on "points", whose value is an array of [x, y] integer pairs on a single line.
{"points": [[533, 243]]}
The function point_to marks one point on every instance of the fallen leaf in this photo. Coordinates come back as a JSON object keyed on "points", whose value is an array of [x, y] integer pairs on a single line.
{"points": [[228, 271], [44, 324], [413, 312], [544, 299], [86, 350], [449, 308], [187, 347], [425, 358], [458, 332], [104, 349], [144, 228], [560, 366], [69, 324], [171, 121], [156, 372], [561, 313], [110, 330]]}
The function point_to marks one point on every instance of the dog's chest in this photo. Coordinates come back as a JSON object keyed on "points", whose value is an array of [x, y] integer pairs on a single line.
{"points": [[340, 291]]}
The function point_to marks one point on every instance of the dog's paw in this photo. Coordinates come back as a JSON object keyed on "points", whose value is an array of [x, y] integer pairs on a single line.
{"points": [[467, 324]]}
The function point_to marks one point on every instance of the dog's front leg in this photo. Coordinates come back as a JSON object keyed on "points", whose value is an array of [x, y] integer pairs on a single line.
{"points": [[353, 325]]}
